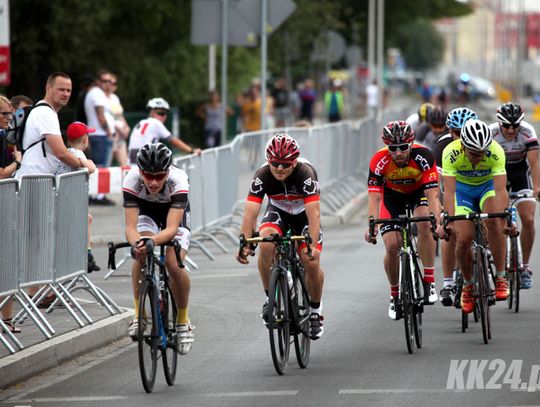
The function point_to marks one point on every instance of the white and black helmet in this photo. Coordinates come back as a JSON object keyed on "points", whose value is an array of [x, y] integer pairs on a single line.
{"points": [[475, 135], [157, 103], [510, 113]]}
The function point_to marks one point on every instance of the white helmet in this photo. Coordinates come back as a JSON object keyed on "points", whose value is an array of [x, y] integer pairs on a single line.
{"points": [[157, 103], [475, 135]]}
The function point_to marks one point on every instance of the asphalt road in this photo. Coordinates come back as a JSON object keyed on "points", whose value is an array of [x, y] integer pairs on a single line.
{"points": [[361, 360]]}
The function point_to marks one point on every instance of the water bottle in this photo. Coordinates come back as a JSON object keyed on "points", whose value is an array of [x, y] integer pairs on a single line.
{"points": [[290, 281], [513, 215]]}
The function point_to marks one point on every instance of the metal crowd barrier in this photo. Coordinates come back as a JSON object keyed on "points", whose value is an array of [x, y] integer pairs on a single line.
{"points": [[44, 225]]}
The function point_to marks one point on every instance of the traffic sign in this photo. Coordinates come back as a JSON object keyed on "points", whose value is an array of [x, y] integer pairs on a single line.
{"points": [[278, 11]]}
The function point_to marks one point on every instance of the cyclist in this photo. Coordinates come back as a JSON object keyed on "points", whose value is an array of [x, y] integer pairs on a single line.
{"points": [[455, 120], [436, 120], [292, 188], [474, 180], [520, 144], [419, 120], [152, 129], [157, 207], [404, 172]]}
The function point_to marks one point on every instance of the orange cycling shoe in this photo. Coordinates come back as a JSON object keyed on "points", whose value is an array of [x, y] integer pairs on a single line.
{"points": [[502, 290], [467, 298]]}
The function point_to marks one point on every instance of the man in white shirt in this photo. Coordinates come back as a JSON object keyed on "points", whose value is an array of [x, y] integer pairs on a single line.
{"points": [[42, 138], [152, 129]]}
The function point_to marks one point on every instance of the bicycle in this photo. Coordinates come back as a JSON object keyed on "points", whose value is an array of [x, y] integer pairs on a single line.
{"points": [[411, 292], [514, 256], [482, 273], [156, 315], [288, 300]]}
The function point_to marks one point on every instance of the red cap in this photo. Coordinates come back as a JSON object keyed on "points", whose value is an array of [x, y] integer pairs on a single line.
{"points": [[77, 129]]}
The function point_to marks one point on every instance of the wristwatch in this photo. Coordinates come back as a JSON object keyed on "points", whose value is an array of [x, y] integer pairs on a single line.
{"points": [[18, 163]]}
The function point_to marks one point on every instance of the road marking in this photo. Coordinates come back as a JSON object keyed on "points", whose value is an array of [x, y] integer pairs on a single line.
{"points": [[255, 393], [398, 391], [68, 399], [199, 276]]}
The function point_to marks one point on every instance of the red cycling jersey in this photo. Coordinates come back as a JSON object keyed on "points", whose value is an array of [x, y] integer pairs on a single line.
{"points": [[419, 173]]}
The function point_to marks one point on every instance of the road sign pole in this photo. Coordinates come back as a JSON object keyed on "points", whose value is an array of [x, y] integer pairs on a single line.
{"points": [[224, 50], [264, 51]]}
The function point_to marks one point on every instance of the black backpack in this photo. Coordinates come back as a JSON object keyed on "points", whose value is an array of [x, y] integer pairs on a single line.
{"points": [[17, 126]]}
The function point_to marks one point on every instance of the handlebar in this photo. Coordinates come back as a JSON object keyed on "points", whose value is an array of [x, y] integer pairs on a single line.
{"points": [[518, 195], [478, 215], [274, 238], [149, 243], [403, 220]]}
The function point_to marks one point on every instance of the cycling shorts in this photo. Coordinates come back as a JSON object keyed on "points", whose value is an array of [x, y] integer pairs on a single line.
{"points": [[395, 203], [282, 221], [146, 223], [471, 198], [520, 182]]}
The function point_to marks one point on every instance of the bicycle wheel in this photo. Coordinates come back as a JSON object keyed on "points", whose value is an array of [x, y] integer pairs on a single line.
{"points": [[464, 321], [418, 306], [148, 335], [514, 275], [407, 304], [483, 293], [302, 341], [278, 320], [169, 351]]}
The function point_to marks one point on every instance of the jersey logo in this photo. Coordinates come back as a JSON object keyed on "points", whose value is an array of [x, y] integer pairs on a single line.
{"points": [[422, 161], [310, 186], [379, 168], [453, 156], [256, 186]]}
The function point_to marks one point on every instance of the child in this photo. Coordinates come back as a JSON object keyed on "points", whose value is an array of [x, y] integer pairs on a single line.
{"points": [[77, 134]]}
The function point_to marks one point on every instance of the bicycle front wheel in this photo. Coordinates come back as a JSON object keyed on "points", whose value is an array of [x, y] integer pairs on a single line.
{"points": [[484, 291], [418, 306], [302, 340], [514, 276], [278, 320], [169, 351], [148, 334], [407, 301]]}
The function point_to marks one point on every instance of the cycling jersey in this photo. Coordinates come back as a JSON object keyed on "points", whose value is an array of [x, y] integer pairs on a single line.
{"points": [[174, 194], [516, 149], [149, 130], [419, 173], [290, 195], [456, 164]]}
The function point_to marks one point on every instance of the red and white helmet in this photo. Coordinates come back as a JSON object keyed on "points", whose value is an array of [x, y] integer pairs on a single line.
{"points": [[282, 147], [397, 132]]}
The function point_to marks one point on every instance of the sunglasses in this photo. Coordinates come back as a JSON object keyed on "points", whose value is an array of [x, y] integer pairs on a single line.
{"points": [[154, 177], [114, 83], [106, 80], [6, 114], [514, 126], [162, 113], [398, 147], [276, 164]]}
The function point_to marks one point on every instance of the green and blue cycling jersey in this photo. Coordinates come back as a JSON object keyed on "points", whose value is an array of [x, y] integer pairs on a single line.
{"points": [[474, 184]]}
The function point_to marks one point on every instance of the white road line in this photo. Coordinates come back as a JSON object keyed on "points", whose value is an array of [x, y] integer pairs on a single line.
{"points": [[196, 277], [71, 399], [399, 391], [255, 393]]}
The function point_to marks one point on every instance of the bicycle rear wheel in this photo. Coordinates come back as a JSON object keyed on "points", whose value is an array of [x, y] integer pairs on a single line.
{"points": [[147, 335], [169, 351], [407, 301], [278, 320], [302, 340]]}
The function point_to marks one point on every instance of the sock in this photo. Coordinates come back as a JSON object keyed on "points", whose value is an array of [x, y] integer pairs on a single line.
{"points": [[315, 307], [500, 274], [182, 315], [266, 292], [429, 276], [394, 290], [448, 282], [468, 282], [526, 267], [136, 307]]}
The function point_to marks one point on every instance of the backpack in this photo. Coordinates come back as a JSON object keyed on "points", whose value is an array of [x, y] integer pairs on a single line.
{"points": [[17, 126]]}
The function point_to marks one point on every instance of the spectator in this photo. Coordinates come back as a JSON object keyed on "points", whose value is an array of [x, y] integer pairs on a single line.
{"points": [[77, 134], [251, 109], [97, 108], [282, 110], [42, 140], [152, 129], [20, 101], [85, 84], [10, 160], [372, 98], [121, 126], [307, 99], [212, 114], [333, 101]]}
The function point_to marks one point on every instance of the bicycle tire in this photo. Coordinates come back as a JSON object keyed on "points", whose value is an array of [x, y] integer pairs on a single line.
{"points": [[464, 321], [419, 306], [278, 319], [514, 275], [302, 340], [169, 350], [147, 335], [406, 300], [483, 292]]}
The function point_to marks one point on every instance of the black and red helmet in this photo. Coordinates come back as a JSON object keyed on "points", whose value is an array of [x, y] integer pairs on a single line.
{"points": [[282, 147], [397, 132]]}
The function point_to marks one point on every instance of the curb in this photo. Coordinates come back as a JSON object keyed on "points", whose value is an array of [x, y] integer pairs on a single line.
{"points": [[344, 215], [53, 352]]}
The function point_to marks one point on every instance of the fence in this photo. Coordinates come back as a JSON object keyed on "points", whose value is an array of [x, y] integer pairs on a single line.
{"points": [[44, 227]]}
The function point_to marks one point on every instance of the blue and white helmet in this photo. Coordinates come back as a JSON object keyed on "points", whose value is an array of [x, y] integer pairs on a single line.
{"points": [[457, 117]]}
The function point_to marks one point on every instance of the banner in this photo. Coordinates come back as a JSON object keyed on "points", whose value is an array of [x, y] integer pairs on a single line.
{"points": [[5, 73]]}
